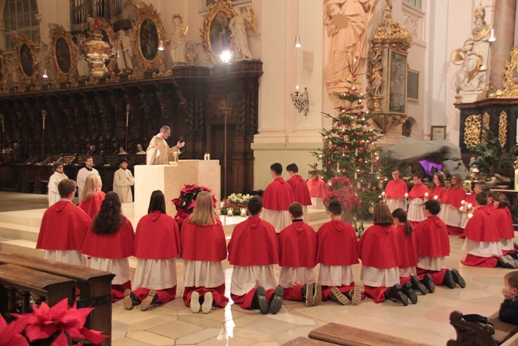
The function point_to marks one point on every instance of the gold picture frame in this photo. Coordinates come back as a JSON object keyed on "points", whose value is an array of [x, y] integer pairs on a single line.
{"points": [[3, 73], [25, 59], [148, 35], [63, 54], [215, 34], [437, 132]]}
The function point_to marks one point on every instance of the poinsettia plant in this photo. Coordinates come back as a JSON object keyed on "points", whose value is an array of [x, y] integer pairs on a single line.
{"points": [[186, 202], [341, 190], [61, 325]]}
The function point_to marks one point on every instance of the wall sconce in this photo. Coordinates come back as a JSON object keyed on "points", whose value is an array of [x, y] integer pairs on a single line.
{"points": [[301, 100], [161, 45], [45, 76], [492, 37], [297, 41]]}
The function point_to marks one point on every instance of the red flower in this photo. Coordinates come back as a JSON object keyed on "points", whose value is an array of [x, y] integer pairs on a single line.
{"points": [[186, 202], [11, 333]]}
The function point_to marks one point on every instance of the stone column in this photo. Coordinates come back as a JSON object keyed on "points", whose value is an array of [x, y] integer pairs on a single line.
{"points": [[503, 23]]}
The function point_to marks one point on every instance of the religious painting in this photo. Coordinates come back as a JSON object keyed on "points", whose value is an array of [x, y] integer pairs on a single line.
{"points": [[26, 60], [216, 33], [397, 83], [63, 55], [413, 85], [148, 39]]}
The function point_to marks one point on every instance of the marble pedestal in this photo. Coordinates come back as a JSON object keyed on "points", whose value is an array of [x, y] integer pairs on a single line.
{"points": [[171, 179]]}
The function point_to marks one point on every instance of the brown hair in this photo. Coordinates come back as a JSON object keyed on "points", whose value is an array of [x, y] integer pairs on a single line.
{"points": [[91, 187], [439, 176], [381, 215], [512, 278], [109, 219], [66, 187], [458, 177], [295, 210], [203, 213], [400, 214], [502, 200]]}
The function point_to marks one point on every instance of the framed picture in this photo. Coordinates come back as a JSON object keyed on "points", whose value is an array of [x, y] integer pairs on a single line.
{"points": [[204, 4], [397, 83], [412, 85], [438, 132], [63, 53], [215, 35], [25, 59]]}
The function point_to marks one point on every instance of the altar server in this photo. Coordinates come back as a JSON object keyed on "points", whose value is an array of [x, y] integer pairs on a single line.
{"points": [[277, 198], [64, 227], [253, 250], [157, 244], [109, 243], [92, 196], [123, 181], [502, 217], [395, 192], [300, 190], [337, 252], [451, 203], [84, 173], [203, 249], [54, 180], [439, 187], [417, 195]]}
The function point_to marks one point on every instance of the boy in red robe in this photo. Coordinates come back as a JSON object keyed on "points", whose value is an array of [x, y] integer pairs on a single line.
{"points": [[471, 199], [395, 192], [300, 189], [253, 250], [451, 203], [482, 241], [297, 252], [337, 251], [417, 196], [64, 227], [277, 198], [502, 217], [433, 245], [316, 186]]}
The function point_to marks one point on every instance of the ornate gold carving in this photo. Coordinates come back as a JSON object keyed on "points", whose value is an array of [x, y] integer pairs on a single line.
{"points": [[25, 60], [108, 35], [472, 128], [483, 93], [390, 32], [511, 76], [222, 11], [63, 54], [3, 74], [502, 129], [148, 35], [485, 126], [113, 78]]}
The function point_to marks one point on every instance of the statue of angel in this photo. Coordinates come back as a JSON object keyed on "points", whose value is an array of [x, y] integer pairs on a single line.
{"points": [[124, 52], [178, 40], [238, 31]]}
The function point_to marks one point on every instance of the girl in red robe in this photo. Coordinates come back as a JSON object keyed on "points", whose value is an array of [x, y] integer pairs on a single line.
{"points": [[438, 187], [203, 249], [92, 197], [157, 244], [502, 217], [110, 242], [451, 203]]}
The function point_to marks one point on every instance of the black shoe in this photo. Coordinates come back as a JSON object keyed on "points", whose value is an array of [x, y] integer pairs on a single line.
{"points": [[276, 301], [428, 283], [418, 285], [507, 262], [150, 300], [130, 300], [459, 280], [260, 295], [409, 291], [395, 294], [448, 280]]}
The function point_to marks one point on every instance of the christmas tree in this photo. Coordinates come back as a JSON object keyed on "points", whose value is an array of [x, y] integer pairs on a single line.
{"points": [[350, 151]]}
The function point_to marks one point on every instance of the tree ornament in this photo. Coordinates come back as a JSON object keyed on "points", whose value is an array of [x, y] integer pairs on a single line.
{"points": [[360, 114], [360, 160], [364, 189], [344, 171], [374, 188], [315, 164], [341, 135], [336, 145], [329, 162], [362, 171], [361, 106], [360, 102], [347, 109], [358, 133], [371, 139], [354, 76], [346, 147], [368, 124]]}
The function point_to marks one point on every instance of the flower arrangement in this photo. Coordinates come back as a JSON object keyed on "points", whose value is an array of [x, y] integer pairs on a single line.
{"points": [[239, 199], [61, 325], [187, 200], [341, 190]]}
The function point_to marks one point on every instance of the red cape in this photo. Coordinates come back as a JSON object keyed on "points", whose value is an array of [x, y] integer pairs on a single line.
{"points": [[93, 205], [254, 243], [379, 247], [454, 196], [438, 191], [481, 226], [491, 207], [203, 243], [406, 248], [63, 227], [431, 238], [297, 245], [471, 198], [396, 189], [502, 218], [418, 191], [116, 245], [337, 244], [157, 237], [317, 188], [300, 190], [278, 195]]}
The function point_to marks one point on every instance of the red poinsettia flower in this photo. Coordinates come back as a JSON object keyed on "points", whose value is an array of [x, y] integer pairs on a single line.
{"points": [[10, 334]]}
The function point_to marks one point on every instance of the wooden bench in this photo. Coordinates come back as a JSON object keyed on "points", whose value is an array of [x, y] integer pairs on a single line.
{"points": [[475, 333], [301, 341], [351, 336], [94, 287], [42, 286]]}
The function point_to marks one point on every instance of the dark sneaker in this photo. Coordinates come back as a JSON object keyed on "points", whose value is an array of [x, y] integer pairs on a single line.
{"points": [[310, 298], [448, 280], [338, 296], [276, 301], [395, 294], [505, 262], [409, 291], [264, 306], [417, 285], [428, 283], [317, 293], [151, 299], [195, 302], [357, 296], [206, 307], [459, 280]]}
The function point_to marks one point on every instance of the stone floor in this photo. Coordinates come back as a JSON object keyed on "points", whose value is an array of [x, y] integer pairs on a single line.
{"points": [[174, 324]]}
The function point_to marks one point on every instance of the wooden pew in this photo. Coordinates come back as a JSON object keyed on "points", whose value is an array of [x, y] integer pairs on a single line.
{"points": [[351, 336], [94, 287], [301, 341], [43, 286]]}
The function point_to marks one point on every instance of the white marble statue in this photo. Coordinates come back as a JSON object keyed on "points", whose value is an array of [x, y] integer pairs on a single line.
{"points": [[238, 34], [124, 52], [178, 41], [346, 23], [83, 67], [474, 55]]}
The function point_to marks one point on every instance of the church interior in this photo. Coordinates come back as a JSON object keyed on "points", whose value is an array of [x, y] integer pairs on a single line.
{"points": [[246, 83]]}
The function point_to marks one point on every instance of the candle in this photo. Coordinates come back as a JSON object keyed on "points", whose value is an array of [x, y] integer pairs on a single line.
{"points": [[243, 211], [406, 195], [229, 212], [470, 206], [462, 202], [436, 197], [383, 194], [426, 194], [297, 87]]}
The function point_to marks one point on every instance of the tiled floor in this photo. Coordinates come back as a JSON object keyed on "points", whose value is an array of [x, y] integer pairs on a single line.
{"points": [[427, 321]]}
